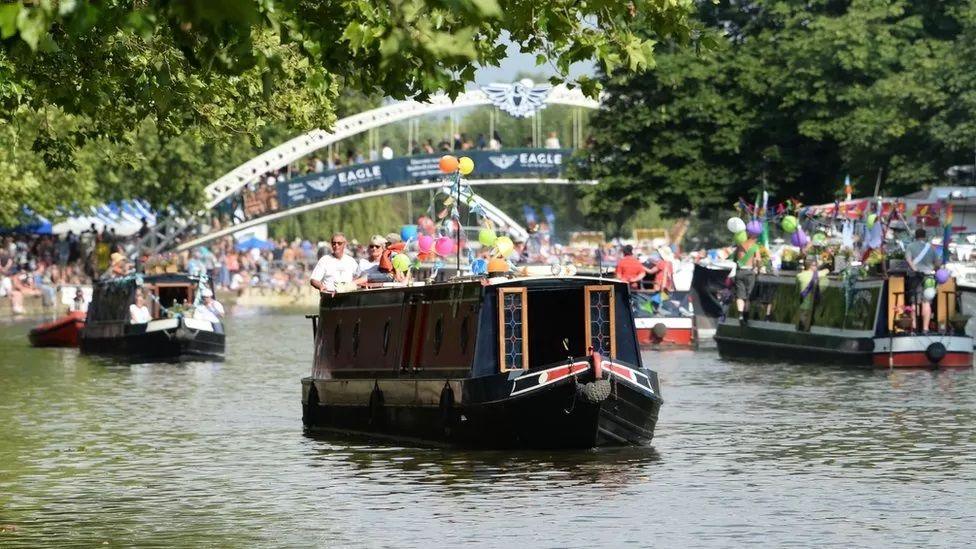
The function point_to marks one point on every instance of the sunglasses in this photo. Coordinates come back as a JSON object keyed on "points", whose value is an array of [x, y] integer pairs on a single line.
{"points": [[374, 246], [339, 243]]}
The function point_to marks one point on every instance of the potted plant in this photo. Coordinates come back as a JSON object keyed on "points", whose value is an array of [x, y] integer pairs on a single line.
{"points": [[904, 317], [789, 259], [897, 262]]}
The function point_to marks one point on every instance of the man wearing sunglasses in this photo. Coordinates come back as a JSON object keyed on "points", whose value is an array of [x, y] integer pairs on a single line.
{"points": [[335, 269]]}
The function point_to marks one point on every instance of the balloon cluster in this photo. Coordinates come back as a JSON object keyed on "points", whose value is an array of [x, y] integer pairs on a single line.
{"points": [[737, 227], [450, 164]]}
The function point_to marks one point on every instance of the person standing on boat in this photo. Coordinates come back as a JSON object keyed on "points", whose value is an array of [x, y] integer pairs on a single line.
{"points": [[209, 309], [809, 281], [922, 261], [334, 269], [747, 262], [629, 268]]}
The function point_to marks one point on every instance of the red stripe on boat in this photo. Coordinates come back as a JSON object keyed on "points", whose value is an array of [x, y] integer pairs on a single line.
{"points": [[919, 360]]}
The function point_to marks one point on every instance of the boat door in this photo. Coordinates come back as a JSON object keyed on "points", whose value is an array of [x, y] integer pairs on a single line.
{"points": [[415, 329]]}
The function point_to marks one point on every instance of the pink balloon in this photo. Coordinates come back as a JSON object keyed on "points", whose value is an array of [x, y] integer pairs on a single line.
{"points": [[444, 246], [426, 225], [425, 243]]}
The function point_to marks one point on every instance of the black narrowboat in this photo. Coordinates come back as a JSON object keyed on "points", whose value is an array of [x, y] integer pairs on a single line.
{"points": [[854, 321], [524, 362], [169, 334]]}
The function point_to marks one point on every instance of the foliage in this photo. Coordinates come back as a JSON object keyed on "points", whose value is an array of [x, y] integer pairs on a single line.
{"points": [[794, 96], [222, 70]]}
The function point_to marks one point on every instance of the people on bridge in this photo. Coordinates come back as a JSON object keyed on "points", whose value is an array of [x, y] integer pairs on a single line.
{"points": [[336, 270]]}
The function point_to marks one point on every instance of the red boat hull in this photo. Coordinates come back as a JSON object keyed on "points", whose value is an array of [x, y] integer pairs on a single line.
{"points": [[63, 332]]}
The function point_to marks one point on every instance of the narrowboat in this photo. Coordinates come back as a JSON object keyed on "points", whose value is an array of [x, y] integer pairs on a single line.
{"points": [[853, 321], [537, 362], [63, 332], [668, 324], [168, 333]]}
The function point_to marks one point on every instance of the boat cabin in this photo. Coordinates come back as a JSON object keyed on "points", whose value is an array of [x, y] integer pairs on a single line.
{"points": [[164, 293]]}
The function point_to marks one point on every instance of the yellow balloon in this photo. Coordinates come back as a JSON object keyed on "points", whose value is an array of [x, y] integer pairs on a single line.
{"points": [[465, 165], [504, 245]]}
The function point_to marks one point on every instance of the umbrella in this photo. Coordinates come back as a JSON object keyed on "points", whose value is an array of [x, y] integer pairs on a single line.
{"points": [[254, 242]]}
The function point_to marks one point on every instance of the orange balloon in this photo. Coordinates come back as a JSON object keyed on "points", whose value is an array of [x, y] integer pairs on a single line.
{"points": [[448, 163]]}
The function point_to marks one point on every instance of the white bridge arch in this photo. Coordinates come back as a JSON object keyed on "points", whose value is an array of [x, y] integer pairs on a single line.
{"points": [[303, 145]]}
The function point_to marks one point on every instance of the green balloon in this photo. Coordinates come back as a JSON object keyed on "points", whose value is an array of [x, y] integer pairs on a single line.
{"points": [[741, 237], [929, 282], [487, 237], [871, 219], [401, 263], [789, 224], [819, 238]]}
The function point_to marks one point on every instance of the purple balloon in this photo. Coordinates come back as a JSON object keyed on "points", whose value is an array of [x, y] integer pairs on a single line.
{"points": [[942, 276], [799, 238], [754, 227]]}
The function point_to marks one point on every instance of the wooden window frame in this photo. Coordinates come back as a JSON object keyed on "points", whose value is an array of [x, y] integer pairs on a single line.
{"points": [[613, 316], [502, 292]]}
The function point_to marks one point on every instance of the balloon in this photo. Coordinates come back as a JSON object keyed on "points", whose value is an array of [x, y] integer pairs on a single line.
{"points": [[487, 237], [504, 245], [929, 282], [789, 224], [871, 219], [465, 165], [448, 164], [401, 263], [426, 225], [444, 246], [799, 238], [408, 232], [479, 266], [735, 225], [928, 294], [425, 243], [741, 237], [498, 265], [754, 227], [942, 276], [819, 238]]}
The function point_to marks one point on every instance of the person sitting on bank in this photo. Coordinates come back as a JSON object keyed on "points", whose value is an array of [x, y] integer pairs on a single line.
{"points": [[747, 262], [629, 268], [138, 312], [922, 262], [809, 281], [335, 270]]}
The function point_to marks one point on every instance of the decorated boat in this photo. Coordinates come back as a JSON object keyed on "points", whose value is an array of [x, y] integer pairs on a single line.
{"points": [[667, 323], [862, 321], [62, 332], [168, 333], [501, 362]]}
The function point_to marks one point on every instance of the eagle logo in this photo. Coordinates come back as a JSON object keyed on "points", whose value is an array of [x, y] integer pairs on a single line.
{"points": [[521, 99], [503, 161], [322, 184]]}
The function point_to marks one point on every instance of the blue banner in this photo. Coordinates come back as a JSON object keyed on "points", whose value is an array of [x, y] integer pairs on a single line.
{"points": [[412, 169]]}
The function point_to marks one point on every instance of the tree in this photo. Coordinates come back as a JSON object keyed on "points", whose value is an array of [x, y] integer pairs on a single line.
{"points": [[794, 97], [225, 69]]}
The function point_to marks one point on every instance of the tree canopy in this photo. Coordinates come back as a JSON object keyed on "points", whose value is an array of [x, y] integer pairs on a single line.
{"points": [[77, 74], [796, 95]]}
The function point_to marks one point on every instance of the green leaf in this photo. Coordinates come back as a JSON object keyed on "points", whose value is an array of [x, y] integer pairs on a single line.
{"points": [[8, 19]]}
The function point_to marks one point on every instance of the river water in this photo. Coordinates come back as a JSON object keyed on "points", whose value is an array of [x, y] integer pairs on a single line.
{"points": [[212, 454]]}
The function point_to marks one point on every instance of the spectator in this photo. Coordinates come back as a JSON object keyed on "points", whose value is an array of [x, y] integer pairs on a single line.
{"points": [[552, 142], [387, 151]]}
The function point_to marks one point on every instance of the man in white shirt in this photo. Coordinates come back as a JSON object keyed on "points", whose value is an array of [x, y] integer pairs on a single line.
{"points": [[209, 308], [335, 268]]}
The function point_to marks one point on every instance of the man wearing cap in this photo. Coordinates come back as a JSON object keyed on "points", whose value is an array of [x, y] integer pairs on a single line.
{"points": [[208, 309], [335, 268]]}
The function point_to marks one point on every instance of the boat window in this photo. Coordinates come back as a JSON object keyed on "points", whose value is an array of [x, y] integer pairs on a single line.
{"points": [[336, 342], [464, 335], [386, 337], [355, 339], [438, 334], [599, 308], [512, 329]]}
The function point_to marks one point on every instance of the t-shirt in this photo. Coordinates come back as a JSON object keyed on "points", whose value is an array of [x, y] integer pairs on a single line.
{"points": [[927, 262], [629, 268], [139, 315], [331, 270]]}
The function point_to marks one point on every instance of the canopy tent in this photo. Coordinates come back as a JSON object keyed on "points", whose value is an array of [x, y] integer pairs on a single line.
{"points": [[254, 242], [125, 217]]}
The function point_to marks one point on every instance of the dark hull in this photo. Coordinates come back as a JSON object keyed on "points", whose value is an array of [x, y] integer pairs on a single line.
{"points": [[750, 342], [176, 344], [559, 415]]}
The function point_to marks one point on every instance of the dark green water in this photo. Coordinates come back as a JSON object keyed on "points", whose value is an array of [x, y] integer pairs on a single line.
{"points": [[212, 454]]}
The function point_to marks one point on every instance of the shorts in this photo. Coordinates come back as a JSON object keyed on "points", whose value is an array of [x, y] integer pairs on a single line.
{"points": [[915, 287], [745, 283]]}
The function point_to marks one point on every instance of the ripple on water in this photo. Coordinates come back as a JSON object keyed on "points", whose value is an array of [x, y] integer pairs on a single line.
{"points": [[212, 454]]}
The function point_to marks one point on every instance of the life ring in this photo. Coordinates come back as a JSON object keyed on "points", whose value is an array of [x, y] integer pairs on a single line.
{"points": [[659, 330], [377, 415]]}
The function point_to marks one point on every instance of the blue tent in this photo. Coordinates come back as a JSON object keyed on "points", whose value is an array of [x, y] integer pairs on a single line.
{"points": [[254, 242]]}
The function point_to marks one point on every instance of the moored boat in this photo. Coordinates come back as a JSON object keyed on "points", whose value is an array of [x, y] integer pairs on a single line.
{"points": [[862, 322], [667, 324], [168, 333], [62, 332], [521, 362]]}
